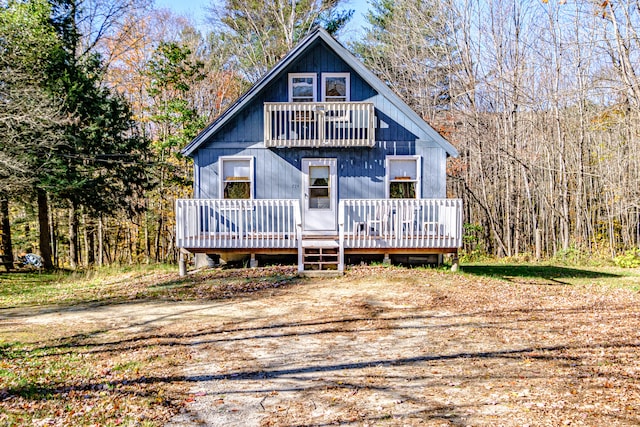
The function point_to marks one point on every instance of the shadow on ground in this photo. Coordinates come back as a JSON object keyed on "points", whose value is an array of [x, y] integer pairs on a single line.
{"points": [[541, 274]]}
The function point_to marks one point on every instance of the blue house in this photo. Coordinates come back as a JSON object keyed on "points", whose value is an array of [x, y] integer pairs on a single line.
{"points": [[320, 159]]}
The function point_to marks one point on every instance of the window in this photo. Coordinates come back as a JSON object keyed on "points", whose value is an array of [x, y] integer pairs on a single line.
{"points": [[236, 177], [302, 87], [335, 87], [319, 187], [403, 177]]}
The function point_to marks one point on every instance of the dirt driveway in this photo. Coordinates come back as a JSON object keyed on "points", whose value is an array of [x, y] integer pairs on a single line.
{"points": [[424, 348]]}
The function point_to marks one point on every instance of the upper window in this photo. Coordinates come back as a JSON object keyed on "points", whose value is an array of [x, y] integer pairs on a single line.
{"points": [[236, 177], [302, 87], [403, 177], [335, 87]]}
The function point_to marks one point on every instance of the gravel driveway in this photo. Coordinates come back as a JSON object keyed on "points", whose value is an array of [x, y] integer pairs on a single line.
{"points": [[377, 348]]}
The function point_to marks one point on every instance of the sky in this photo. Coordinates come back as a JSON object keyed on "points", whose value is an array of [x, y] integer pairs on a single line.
{"points": [[197, 11]]}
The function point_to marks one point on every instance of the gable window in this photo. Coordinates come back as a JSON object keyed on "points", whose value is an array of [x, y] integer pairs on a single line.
{"points": [[335, 87], [403, 177], [236, 177], [302, 87]]}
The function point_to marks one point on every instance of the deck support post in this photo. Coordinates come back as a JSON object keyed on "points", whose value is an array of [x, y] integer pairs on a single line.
{"points": [[455, 262], [386, 260], [253, 262], [182, 264]]}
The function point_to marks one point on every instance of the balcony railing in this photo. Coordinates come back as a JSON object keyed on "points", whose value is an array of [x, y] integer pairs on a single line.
{"points": [[237, 224], [319, 124], [401, 223]]}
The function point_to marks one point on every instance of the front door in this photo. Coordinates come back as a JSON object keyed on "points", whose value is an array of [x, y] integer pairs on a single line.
{"points": [[319, 195]]}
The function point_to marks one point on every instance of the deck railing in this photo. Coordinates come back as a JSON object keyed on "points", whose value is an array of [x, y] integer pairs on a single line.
{"points": [[319, 124], [229, 224], [363, 224], [401, 223]]}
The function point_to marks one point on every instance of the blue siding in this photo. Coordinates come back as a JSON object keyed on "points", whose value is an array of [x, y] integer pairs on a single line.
{"points": [[361, 171], [248, 126]]}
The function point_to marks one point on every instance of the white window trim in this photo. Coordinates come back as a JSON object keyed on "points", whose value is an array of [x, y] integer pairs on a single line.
{"points": [[221, 161], [347, 77], [388, 180], [304, 75]]}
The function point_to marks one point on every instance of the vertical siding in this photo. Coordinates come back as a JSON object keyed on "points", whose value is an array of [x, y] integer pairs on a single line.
{"points": [[434, 163], [361, 171]]}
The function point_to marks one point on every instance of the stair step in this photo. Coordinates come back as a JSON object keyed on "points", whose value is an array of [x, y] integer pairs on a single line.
{"points": [[320, 255], [324, 256], [325, 243]]}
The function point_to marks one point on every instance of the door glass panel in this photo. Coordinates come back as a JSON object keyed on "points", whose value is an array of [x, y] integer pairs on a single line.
{"points": [[319, 187]]}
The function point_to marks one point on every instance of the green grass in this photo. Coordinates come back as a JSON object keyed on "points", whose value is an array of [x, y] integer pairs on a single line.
{"points": [[153, 282], [109, 284], [553, 274]]}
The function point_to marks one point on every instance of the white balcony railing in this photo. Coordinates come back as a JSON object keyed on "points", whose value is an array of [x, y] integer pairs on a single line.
{"points": [[401, 223], [237, 224], [319, 124]]}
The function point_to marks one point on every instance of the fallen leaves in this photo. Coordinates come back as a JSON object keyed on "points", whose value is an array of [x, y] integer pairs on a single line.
{"points": [[381, 345]]}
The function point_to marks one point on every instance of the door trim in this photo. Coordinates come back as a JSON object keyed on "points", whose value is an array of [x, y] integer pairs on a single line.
{"points": [[329, 217]]}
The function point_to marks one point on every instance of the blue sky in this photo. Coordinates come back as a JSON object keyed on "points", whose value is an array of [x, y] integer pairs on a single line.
{"points": [[196, 10]]}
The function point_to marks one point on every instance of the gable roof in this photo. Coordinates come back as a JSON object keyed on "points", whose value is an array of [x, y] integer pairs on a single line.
{"points": [[367, 75]]}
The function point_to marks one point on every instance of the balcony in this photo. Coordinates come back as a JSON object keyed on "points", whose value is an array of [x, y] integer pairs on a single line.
{"points": [[319, 124]]}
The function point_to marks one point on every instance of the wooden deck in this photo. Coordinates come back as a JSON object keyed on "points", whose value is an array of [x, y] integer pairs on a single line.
{"points": [[365, 226], [201, 243]]}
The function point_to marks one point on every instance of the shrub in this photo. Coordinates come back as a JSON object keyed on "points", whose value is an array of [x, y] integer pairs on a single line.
{"points": [[630, 259]]}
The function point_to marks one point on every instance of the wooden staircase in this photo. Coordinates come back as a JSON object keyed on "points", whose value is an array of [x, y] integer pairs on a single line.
{"points": [[320, 256]]}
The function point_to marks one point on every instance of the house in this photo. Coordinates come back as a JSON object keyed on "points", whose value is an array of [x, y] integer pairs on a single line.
{"points": [[320, 159]]}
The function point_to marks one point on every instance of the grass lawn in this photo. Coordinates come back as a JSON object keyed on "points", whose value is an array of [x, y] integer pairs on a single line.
{"points": [[89, 372], [551, 274]]}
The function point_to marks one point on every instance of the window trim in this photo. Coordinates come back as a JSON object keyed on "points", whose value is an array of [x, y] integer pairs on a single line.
{"points": [[303, 75], [347, 88], [388, 180], [222, 181]]}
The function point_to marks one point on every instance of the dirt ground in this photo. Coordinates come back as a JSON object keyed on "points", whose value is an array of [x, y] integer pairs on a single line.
{"points": [[380, 347]]}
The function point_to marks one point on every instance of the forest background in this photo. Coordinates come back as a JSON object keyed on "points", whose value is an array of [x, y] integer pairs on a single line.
{"points": [[97, 97]]}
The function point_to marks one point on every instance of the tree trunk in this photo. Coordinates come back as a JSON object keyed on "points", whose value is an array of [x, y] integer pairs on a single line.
{"points": [[73, 237], [100, 243], [89, 240], [54, 238], [43, 223], [5, 230], [147, 238]]}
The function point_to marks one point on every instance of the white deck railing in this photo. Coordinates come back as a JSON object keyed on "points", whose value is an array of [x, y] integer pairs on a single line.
{"points": [[401, 223], [363, 224], [319, 124], [241, 224]]}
